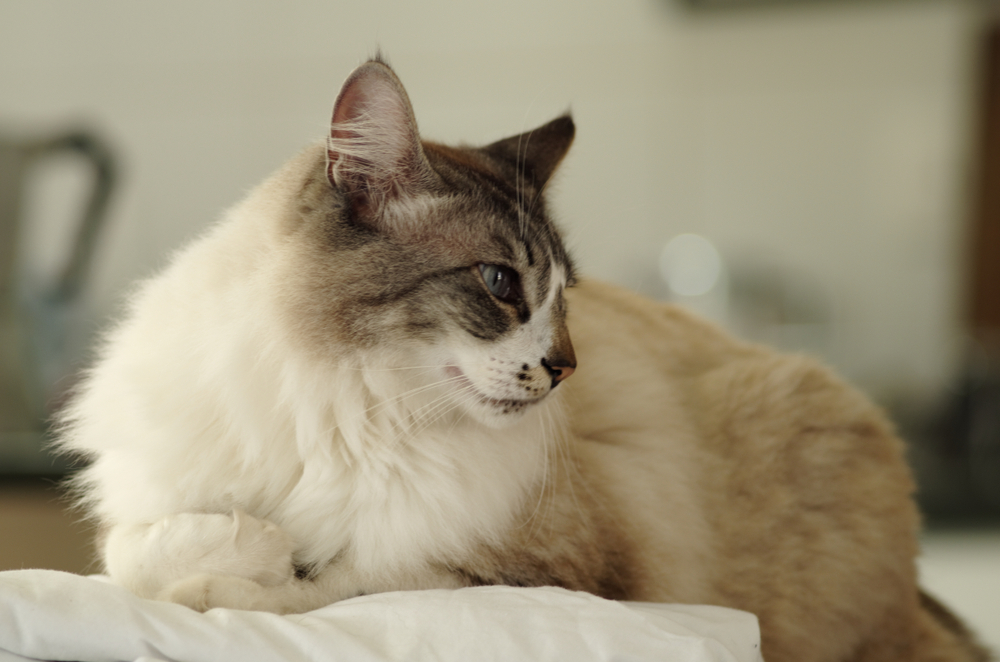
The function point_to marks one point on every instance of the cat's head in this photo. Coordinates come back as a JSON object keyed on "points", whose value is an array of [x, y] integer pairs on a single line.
{"points": [[445, 256]]}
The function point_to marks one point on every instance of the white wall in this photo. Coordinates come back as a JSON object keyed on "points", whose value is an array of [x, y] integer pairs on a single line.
{"points": [[830, 141], [960, 568]]}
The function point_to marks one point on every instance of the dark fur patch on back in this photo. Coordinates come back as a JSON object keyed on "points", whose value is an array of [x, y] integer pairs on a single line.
{"points": [[608, 578], [305, 572]]}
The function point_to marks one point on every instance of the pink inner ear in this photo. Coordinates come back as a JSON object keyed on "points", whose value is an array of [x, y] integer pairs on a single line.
{"points": [[351, 103], [373, 152], [373, 144]]}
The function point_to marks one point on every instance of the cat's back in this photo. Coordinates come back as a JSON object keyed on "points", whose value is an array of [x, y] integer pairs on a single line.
{"points": [[653, 369], [764, 460], [644, 366]]}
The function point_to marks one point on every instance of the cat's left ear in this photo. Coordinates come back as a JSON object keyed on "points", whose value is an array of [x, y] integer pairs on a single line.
{"points": [[374, 152], [536, 154]]}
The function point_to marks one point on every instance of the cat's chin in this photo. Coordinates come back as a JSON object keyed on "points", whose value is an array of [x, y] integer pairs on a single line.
{"points": [[494, 412], [499, 417], [501, 413]]}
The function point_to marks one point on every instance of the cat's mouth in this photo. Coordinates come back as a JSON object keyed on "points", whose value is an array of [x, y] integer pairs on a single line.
{"points": [[510, 406], [505, 405]]}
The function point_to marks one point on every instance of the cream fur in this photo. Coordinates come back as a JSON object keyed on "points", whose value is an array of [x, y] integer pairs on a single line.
{"points": [[228, 416], [234, 442]]}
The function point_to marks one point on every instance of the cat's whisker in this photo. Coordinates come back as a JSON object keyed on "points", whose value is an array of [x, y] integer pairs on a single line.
{"points": [[466, 396], [545, 474], [425, 415], [421, 418], [435, 411], [440, 366], [557, 439], [441, 413], [365, 416], [418, 418], [410, 393], [564, 454]]}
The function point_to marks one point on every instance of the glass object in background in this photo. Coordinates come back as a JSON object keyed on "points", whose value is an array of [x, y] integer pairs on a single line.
{"points": [[34, 311], [695, 276], [759, 303]]}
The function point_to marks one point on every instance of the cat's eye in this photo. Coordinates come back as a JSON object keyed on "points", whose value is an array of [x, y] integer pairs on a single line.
{"points": [[500, 281]]}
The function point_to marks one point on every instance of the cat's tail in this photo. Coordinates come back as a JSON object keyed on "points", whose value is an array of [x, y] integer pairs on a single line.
{"points": [[946, 638]]}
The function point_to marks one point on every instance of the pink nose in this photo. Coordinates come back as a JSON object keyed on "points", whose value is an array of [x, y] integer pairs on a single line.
{"points": [[561, 372]]}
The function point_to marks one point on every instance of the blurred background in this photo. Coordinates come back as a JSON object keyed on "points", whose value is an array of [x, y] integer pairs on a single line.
{"points": [[820, 175]]}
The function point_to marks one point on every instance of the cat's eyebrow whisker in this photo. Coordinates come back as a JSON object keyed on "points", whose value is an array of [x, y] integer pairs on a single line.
{"points": [[518, 183], [537, 197]]}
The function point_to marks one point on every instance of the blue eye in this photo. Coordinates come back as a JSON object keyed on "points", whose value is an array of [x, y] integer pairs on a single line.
{"points": [[500, 281]]}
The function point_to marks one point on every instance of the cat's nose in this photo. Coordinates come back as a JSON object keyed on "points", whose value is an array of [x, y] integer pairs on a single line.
{"points": [[559, 372], [561, 360]]}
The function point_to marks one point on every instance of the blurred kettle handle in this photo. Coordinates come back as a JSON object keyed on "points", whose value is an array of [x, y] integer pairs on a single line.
{"points": [[70, 281]]}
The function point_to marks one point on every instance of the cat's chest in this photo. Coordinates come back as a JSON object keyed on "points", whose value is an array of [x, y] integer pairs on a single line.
{"points": [[436, 498]]}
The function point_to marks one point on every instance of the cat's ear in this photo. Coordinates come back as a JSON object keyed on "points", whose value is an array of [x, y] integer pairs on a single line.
{"points": [[373, 151], [537, 153]]}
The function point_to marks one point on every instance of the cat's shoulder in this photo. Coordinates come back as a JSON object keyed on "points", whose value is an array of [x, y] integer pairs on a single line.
{"points": [[618, 320], [721, 378]]}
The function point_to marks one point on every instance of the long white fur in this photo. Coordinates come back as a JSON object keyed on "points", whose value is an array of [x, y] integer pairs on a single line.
{"points": [[202, 405]]}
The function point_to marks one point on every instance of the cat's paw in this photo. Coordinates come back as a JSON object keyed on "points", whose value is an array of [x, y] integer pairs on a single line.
{"points": [[204, 592], [236, 544]]}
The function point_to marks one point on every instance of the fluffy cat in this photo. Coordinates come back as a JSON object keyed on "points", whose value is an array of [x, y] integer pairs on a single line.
{"points": [[358, 382]]}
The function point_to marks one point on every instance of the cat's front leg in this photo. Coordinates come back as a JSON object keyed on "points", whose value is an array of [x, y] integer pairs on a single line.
{"points": [[338, 580], [147, 558], [204, 592]]}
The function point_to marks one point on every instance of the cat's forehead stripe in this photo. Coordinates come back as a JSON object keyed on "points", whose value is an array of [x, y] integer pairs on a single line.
{"points": [[530, 252], [544, 276], [556, 281], [518, 225], [505, 247]]}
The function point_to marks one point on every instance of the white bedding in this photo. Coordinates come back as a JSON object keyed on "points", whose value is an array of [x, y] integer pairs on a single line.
{"points": [[48, 615]]}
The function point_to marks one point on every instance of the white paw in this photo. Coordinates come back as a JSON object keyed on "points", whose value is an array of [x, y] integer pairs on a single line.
{"points": [[236, 544], [204, 592]]}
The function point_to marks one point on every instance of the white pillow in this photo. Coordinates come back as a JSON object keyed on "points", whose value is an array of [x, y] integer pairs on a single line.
{"points": [[49, 615]]}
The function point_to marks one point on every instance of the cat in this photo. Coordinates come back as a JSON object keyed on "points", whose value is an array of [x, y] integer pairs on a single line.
{"points": [[364, 379]]}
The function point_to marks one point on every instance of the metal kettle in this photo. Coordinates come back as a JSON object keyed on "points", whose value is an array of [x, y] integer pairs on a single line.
{"points": [[33, 320]]}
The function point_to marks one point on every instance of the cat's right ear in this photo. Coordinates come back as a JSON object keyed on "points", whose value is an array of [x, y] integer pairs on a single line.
{"points": [[537, 153], [373, 151]]}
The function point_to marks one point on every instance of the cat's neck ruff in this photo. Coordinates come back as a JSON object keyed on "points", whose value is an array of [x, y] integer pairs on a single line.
{"points": [[348, 453], [393, 473]]}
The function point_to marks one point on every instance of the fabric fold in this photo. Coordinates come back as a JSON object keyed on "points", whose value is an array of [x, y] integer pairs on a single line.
{"points": [[49, 615]]}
